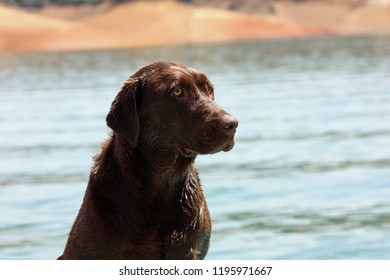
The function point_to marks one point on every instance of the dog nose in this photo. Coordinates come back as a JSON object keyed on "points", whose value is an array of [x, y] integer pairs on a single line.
{"points": [[229, 123]]}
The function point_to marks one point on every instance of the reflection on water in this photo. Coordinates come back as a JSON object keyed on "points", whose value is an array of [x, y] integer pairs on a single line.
{"points": [[309, 177]]}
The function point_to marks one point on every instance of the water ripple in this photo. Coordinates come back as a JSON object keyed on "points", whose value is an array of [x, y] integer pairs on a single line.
{"points": [[264, 168], [334, 219]]}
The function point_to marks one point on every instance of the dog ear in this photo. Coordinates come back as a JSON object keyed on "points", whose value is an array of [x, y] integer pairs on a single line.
{"points": [[123, 115]]}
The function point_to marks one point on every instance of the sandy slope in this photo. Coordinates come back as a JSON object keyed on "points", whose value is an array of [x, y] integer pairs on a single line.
{"points": [[21, 31], [168, 22], [133, 24], [373, 17]]}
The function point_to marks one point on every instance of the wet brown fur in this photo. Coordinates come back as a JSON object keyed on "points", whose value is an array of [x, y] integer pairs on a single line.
{"points": [[144, 199]]}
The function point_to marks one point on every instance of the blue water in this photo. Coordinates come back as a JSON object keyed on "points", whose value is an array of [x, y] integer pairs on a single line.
{"points": [[309, 177]]}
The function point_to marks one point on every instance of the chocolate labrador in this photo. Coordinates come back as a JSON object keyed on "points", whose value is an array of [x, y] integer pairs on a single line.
{"points": [[144, 198]]}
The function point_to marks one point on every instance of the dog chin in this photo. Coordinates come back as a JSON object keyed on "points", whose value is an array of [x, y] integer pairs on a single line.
{"points": [[205, 149], [228, 146]]}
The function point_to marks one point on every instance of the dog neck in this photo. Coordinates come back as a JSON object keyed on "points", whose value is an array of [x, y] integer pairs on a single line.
{"points": [[161, 166], [165, 165]]}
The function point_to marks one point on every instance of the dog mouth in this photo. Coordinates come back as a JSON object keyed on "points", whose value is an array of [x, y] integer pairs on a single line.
{"points": [[216, 143], [207, 147], [229, 145]]}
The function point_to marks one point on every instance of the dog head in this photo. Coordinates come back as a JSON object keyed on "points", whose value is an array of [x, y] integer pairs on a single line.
{"points": [[171, 106]]}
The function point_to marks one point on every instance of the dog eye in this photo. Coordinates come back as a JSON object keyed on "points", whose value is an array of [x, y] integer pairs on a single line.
{"points": [[177, 91]]}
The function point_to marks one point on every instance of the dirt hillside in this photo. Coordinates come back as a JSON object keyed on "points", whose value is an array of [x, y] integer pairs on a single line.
{"points": [[169, 22]]}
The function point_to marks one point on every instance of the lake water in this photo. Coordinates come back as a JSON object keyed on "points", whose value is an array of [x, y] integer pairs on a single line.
{"points": [[309, 177]]}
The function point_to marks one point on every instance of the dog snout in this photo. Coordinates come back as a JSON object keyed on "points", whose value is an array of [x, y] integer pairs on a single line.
{"points": [[229, 123]]}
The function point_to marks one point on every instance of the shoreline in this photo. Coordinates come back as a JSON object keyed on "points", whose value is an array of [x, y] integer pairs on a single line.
{"points": [[167, 23]]}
